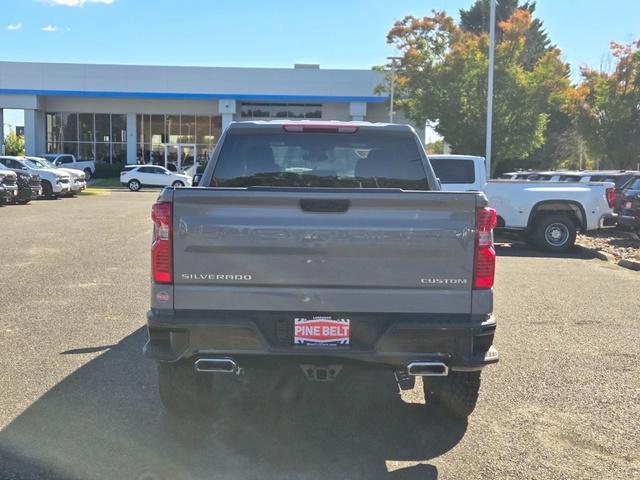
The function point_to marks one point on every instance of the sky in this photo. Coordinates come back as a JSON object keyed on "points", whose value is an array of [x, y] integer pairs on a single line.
{"points": [[268, 33]]}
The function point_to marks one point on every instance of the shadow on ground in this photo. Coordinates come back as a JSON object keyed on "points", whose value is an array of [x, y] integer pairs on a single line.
{"points": [[105, 421], [507, 248]]}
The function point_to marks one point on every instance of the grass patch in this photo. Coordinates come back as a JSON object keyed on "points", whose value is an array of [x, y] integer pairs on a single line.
{"points": [[105, 183]]}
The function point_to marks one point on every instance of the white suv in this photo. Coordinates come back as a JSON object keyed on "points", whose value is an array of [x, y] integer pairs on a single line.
{"points": [[152, 176]]}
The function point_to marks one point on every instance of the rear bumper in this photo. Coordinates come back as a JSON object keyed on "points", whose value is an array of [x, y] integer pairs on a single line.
{"points": [[462, 342], [609, 220], [629, 221]]}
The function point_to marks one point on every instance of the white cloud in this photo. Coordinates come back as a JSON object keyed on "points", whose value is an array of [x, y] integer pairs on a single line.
{"points": [[50, 28], [75, 3], [15, 26]]}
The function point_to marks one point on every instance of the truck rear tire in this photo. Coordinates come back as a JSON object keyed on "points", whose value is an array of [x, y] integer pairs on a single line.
{"points": [[182, 390], [554, 233], [457, 393]]}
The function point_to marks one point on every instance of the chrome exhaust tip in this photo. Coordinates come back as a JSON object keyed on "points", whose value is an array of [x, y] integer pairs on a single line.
{"points": [[427, 369], [216, 365]]}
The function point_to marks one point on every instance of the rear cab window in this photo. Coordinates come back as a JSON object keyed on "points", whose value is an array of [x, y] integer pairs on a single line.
{"points": [[355, 158], [454, 170]]}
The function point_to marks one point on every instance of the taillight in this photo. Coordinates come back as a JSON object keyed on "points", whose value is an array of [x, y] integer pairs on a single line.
{"points": [[611, 196], [484, 267], [123, 172], [161, 248]]}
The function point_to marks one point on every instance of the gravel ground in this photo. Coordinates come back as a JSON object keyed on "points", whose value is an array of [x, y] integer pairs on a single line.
{"points": [[79, 401], [622, 245]]}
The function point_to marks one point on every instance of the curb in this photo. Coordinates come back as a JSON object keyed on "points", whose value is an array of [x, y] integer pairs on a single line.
{"points": [[593, 253], [630, 264], [588, 252]]}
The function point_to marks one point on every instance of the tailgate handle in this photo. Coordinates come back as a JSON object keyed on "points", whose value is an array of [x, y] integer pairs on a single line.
{"points": [[323, 205]]}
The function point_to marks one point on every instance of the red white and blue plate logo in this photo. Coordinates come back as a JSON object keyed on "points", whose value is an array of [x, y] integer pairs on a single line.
{"points": [[324, 331]]}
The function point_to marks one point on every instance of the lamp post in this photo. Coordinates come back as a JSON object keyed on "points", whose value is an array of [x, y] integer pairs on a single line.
{"points": [[393, 85], [492, 45]]}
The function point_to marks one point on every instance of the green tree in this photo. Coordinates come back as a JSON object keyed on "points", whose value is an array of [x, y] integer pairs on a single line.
{"points": [[14, 144], [436, 146], [607, 107], [442, 79], [559, 126], [537, 43]]}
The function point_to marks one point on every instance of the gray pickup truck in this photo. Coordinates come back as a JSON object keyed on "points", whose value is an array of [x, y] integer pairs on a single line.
{"points": [[321, 246]]}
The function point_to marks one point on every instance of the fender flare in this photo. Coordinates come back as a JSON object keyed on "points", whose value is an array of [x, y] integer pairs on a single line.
{"points": [[578, 205]]}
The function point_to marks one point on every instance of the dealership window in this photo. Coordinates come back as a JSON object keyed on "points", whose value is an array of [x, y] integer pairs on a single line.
{"points": [[89, 136], [160, 135], [280, 110]]}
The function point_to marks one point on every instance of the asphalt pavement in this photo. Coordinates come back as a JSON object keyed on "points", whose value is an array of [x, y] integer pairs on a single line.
{"points": [[78, 400]]}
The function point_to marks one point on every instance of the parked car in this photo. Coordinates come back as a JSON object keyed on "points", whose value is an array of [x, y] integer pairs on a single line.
{"points": [[548, 216], [342, 251], [620, 192], [54, 183], [519, 175], [618, 177], [9, 183], [66, 160], [29, 186], [548, 176], [152, 176], [630, 212], [77, 178]]}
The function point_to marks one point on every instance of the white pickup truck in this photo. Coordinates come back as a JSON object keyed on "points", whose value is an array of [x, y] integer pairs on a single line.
{"points": [[65, 160], [547, 214]]}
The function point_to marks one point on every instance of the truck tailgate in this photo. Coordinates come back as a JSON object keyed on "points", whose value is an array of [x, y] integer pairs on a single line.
{"points": [[291, 249]]}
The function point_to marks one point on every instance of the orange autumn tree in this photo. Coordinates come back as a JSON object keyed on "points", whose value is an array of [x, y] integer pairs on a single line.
{"points": [[442, 80], [607, 108]]}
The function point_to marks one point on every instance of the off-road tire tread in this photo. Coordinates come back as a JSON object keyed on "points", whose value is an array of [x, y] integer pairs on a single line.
{"points": [[457, 393]]}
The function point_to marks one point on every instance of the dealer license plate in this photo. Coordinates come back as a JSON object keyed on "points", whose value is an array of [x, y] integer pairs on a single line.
{"points": [[322, 331]]}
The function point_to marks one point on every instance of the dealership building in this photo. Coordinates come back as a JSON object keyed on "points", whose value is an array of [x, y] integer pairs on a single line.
{"points": [[161, 115]]}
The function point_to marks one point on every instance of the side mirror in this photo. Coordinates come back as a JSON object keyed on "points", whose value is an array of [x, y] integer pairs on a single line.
{"points": [[196, 180]]}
